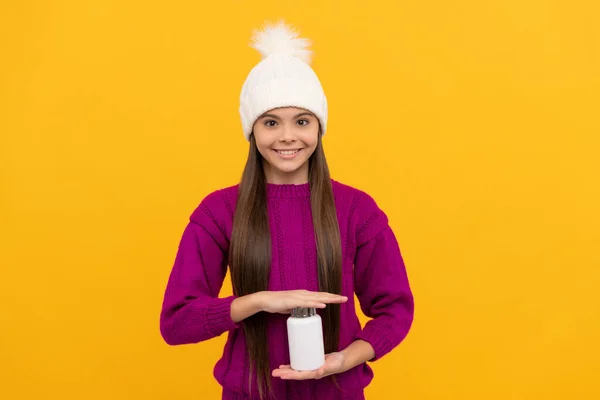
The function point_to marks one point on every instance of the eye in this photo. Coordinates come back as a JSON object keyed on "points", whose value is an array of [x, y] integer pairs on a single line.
{"points": [[303, 122], [270, 123]]}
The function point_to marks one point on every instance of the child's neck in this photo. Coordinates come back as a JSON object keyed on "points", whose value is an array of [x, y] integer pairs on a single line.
{"points": [[297, 177]]}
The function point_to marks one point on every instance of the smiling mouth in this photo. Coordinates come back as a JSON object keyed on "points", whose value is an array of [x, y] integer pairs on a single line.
{"points": [[288, 152]]}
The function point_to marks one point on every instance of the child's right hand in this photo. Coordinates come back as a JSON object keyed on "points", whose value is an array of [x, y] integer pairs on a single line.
{"points": [[284, 301], [280, 302]]}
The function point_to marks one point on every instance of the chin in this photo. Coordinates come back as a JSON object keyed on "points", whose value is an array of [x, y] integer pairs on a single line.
{"points": [[287, 167]]}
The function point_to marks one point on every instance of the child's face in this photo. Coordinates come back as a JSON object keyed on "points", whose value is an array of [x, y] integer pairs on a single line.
{"points": [[286, 138]]}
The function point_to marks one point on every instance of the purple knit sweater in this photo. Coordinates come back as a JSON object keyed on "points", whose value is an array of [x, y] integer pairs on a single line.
{"points": [[373, 269]]}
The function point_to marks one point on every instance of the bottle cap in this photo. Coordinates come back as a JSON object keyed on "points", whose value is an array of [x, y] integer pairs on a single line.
{"points": [[303, 312]]}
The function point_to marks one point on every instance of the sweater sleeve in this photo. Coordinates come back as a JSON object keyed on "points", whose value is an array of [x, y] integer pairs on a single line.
{"points": [[192, 311], [381, 283]]}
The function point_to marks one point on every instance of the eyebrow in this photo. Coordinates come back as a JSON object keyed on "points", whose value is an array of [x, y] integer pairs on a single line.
{"points": [[279, 118]]}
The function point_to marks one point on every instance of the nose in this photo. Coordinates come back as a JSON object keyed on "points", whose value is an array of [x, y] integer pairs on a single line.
{"points": [[287, 134]]}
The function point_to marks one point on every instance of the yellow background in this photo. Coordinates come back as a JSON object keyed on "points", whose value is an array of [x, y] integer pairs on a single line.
{"points": [[474, 124]]}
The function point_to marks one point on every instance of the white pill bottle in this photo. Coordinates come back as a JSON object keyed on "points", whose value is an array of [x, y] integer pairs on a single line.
{"points": [[305, 338]]}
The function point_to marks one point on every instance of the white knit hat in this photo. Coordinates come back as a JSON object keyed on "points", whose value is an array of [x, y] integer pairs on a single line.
{"points": [[283, 78]]}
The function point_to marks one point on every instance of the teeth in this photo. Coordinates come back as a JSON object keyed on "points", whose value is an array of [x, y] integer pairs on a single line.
{"points": [[287, 152]]}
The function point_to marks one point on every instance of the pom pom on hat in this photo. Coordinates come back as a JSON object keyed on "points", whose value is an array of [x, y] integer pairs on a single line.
{"points": [[283, 39], [283, 78]]}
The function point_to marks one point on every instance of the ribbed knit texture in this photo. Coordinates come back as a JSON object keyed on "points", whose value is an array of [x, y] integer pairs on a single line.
{"points": [[373, 268]]}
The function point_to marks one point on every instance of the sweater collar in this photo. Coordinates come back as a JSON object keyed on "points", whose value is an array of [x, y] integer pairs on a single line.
{"points": [[288, 190]]}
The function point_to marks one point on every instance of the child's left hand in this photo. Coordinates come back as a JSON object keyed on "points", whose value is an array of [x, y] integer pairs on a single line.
{"points": [[334, 363]]}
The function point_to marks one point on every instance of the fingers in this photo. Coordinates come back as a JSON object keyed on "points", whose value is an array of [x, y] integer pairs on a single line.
{"points": [[291, 374], [284, 372], [283, 302], [279, 372], [317, 294], [322, 298], [314, 303], [305, 303], [325, 295]]}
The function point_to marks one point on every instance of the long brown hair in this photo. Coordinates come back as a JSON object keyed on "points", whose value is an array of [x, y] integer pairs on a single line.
{"points": [[250, 252]]}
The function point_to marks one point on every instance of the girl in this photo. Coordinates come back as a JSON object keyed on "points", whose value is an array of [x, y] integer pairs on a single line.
{"points": [[292, 237]]}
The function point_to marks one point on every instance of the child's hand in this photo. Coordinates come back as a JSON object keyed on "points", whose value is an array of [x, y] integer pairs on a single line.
{"points": [[284, 301], [334, 364]]}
